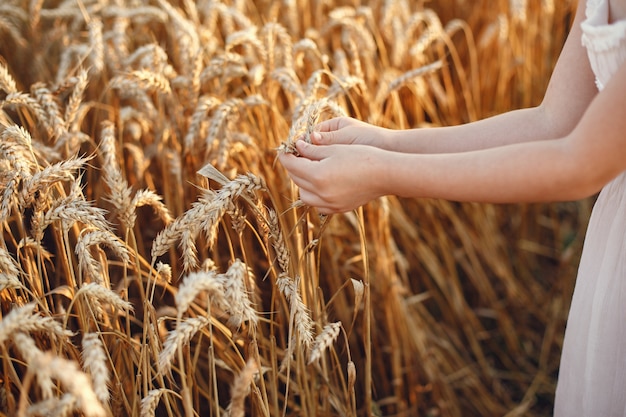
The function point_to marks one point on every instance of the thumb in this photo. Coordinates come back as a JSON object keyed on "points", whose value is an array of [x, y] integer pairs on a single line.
{"points": [[311, 151]]}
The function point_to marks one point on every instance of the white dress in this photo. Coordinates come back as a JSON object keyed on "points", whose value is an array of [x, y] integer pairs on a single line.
{"points": [[592, 376]]}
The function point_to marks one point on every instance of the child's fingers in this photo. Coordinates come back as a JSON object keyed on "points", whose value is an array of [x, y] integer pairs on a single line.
{"points": [[332, 124]]}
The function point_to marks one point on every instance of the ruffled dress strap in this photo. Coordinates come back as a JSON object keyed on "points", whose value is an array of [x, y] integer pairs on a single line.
{"points": [[605, 41]]}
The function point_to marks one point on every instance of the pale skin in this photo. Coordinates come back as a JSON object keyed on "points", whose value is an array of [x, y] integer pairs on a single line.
{"points": [[567, 148]]}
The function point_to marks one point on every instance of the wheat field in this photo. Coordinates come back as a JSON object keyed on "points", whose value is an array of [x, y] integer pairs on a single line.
{"points": [[155, 259]]}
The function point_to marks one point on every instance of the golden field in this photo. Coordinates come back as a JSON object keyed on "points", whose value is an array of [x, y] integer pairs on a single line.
{"points": [[155, 259]]}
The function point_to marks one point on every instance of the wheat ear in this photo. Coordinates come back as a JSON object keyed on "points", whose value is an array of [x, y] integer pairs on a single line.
{"points": [[324, 340], [238, 303], [95, 363], [177, 338], [75, 381], [23, 319], [196, 283], [241, 389]]}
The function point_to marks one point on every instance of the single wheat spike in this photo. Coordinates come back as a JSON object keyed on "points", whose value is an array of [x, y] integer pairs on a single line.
{"points": [[185, 224], [98, 294], [324, 340], [241, 389], [288, 79], [237, 300], [152, 81], [178, 338], [150, 402], [120, 192], [95, 364], [96, 45], [9, 271], [7, 82], [206, 213], [44, 179], [195, 283], [87, 262], [278, 242], [29, 351], [51, 111], [24, 319], [69, 211], [75, 100], [148, 198], [198, 120], [243, 184], [299, 312]]}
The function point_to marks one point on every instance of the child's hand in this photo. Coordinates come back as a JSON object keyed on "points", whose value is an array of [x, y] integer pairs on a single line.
{"points": [[335, 178], [346, 130]]}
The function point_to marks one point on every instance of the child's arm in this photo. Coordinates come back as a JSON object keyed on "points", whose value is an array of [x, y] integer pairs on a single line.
{"points": [[338, 178], [569, 92]]}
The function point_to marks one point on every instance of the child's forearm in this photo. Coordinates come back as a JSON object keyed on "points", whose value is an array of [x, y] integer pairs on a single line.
{"points": [[549, 170], [513, 127]]}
